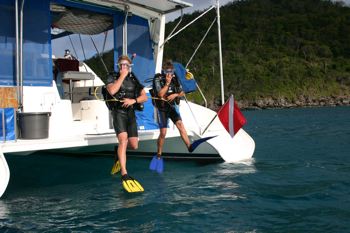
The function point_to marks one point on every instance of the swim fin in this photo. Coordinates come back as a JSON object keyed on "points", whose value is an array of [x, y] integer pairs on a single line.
{"points": [[157, 164], [160, 165], [115, 168], [153, 164], [130, 184], [197, 142]]}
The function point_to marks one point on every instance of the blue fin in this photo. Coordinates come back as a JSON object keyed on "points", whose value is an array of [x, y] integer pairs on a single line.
{"points": [[196, 143], [160, 165], [153, 164]]}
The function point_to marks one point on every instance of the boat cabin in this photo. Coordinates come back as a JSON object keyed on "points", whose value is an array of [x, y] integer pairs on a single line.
{"points": [[33, 80]]}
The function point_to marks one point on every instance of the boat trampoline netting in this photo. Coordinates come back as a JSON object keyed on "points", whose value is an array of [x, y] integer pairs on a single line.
{"points": [[80, 21]]}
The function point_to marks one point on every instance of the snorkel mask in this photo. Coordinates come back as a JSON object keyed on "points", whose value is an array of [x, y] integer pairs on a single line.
{"points": [[168, 71], [123, 64]]}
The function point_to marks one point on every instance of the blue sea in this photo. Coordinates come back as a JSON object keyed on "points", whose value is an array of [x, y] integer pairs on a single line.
{"points": [[297, 181]]}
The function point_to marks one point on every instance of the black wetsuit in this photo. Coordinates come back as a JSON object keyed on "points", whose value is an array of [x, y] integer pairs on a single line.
{"points": [[124, 119], [167, 110]]}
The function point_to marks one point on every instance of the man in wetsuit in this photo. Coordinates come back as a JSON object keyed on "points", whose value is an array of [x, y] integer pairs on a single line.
{"points": [[168, 88], [128, 92]]}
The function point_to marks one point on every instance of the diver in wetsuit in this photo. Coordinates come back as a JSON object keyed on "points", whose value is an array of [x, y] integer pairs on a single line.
{"points": [[168, 88], [125, 87]]}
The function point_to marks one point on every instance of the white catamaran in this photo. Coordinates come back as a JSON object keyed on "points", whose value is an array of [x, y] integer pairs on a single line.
{"points": [[49, 103]]}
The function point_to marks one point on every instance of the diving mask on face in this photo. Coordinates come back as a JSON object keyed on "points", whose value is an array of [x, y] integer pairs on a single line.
{"points": [[125, 64], [120, 65], [168, 71]]}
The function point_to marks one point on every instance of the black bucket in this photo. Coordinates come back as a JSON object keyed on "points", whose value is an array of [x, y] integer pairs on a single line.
{"points": [[33, 125]]}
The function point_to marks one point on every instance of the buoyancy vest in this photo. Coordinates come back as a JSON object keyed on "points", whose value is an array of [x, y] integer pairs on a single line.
{"points": [[174, 87], [131, 88]]}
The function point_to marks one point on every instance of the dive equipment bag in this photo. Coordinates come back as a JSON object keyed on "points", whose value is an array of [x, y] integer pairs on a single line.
{"points": [[188, 83]]}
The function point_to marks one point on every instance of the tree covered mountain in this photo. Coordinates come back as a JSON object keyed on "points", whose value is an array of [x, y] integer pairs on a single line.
{"points": [[275, 49]]}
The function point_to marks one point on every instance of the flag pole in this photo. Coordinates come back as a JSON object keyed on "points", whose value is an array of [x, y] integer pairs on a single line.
{"points": [[209, 124], [212, 120]]}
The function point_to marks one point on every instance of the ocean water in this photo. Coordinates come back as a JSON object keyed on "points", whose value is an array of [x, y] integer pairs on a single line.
{"points": [[298, 181]]}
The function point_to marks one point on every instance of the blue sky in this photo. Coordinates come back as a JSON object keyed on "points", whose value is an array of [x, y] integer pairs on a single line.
{"points": [[59, 45]]}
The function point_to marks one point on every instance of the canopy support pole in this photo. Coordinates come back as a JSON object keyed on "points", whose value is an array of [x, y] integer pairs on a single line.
{"points": [[220, 53], [125, 31]]}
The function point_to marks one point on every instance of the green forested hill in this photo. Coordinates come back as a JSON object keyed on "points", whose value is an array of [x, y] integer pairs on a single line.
{"points": [[275, 49]]}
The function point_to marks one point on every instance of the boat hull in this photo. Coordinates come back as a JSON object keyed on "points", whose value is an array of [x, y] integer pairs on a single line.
{"points": [[174, 148]]}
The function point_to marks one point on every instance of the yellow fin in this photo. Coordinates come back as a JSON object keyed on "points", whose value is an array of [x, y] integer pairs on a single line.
{"points": [[131, 185], [139, 186], [126, 187], [115, 168]]}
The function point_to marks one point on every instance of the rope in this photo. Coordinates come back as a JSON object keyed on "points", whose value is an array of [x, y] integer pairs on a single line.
{"points": [[189, 61], [71, 42], [200, 43], [99, 55], [171, 33], [114, 99], [194, 116], [104, 43], [81, 43], [187, 25]]}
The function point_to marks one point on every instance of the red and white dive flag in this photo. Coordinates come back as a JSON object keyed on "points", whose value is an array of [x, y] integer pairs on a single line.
{"points": [[231, 116]]}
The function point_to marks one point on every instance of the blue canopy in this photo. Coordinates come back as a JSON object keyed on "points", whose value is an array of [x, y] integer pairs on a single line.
{"points": [[139, 43]]}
